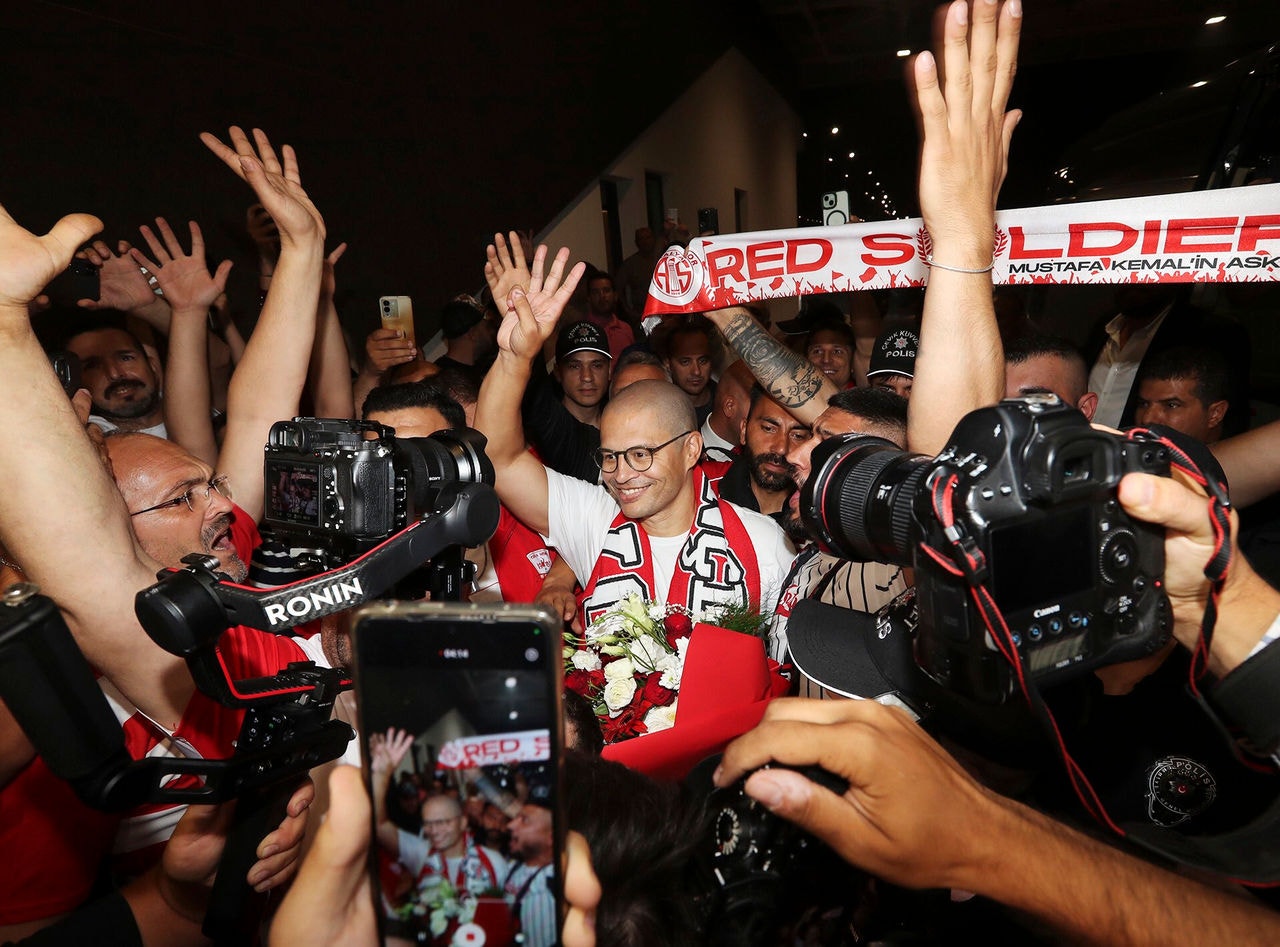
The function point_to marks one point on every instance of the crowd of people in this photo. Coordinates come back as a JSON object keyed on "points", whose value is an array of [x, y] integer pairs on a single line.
{"points": [[660, 458]]}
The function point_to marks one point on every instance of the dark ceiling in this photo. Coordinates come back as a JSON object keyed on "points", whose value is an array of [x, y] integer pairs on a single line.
{"points": [[422, 127]]}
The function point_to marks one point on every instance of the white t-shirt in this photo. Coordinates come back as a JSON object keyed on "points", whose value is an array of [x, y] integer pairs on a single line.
{"points": [[415, 854], [1113, 375], [579, 516], [157, 430]]}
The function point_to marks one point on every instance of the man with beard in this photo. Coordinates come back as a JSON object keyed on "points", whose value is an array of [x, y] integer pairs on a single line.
{"points": [[528, 882], [860, 586], [760, 476], [122, 379]]}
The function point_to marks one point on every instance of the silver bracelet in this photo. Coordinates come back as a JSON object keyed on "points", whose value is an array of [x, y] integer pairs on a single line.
{"points": [[931, 263]]}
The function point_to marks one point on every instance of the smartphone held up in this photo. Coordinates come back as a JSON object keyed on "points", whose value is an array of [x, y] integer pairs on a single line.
{"points": [[397, 313], [460, 711]]}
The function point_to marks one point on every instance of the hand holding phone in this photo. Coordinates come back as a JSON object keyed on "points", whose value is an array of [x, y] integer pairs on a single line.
{"points": [[397, 313]]}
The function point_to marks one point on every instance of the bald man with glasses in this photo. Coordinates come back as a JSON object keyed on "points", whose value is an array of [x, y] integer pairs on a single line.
{"points": [[654, 528]]}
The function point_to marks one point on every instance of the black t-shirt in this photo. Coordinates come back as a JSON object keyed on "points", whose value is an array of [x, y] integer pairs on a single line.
{"points": [[564, 443]]}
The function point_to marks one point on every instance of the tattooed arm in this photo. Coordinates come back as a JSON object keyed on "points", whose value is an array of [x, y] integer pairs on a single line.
{"points": [[789, 378]]}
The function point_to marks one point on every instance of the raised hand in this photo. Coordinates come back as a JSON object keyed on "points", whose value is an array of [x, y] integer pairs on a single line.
{"points": [[28, 262], [531, 315], [328, 280], [274, 179], [965, 128], [121, 285], [505, 268], [184, 277], [386, 751]]}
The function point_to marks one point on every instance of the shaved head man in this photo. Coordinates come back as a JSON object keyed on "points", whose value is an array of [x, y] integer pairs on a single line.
{"points": [[658, 529]]}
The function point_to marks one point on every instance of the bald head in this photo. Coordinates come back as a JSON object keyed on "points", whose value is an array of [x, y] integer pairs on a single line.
{"points": [[666, 404]]}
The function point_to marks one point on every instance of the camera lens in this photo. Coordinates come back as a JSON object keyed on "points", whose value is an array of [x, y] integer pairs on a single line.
{"points": [[858, 499], [444, 457]]}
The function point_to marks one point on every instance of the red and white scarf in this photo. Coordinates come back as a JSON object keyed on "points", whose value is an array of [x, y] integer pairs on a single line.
{"points": [[716, 565]]}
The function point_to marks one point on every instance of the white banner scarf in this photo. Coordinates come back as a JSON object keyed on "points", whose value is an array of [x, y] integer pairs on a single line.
{"points": [[1231, 235], [525, 746]]}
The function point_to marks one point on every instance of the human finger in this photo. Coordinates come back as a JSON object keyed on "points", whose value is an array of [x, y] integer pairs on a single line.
{"points": [[229, 155], [140, 258], [536, 271], [158, 251], [957, 75], [197, 239], [517, 251], [984, 20], [171, 243], [502, 252], [336, 255], [221, 274], [930, 107], [1168, 503], [290, 161], [1008, 37], [566, 289], [266, 154], [557, 270]]}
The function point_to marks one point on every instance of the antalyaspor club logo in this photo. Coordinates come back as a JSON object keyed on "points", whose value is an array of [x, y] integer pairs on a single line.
{"points": [[678, 276]]}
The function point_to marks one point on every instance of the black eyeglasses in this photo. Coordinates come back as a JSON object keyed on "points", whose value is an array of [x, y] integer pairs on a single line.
{"points": [[639, 459], [221, 484]]}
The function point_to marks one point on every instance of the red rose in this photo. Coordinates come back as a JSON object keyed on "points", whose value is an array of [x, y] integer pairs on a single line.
{"points": [[579, 682], [677, 625], [655, 694]]}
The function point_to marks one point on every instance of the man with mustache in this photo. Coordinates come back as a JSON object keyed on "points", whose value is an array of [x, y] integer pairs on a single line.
{"points": [[121, 377], [759, 478]]}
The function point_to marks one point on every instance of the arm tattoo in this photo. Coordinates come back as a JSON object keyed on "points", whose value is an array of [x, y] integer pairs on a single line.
{"points": [[790, 379]]}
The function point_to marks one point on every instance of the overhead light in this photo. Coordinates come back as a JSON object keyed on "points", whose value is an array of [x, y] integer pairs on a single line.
{"points": [[904, 53], [846, 177], [831, 159], [804, 134], [1214, 20], [853, 154], [1196, 85], [835, 129]]}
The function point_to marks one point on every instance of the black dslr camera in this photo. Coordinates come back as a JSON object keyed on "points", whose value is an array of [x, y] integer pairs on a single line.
{"points": [[1023, 503], [345, 486]]}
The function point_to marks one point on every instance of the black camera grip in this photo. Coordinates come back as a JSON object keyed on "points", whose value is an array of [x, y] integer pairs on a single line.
{"points": [[235, 910]]}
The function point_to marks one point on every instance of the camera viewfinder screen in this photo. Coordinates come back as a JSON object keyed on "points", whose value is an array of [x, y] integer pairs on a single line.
{"points": [[459, 718], [1044, 560], [294, 492]]}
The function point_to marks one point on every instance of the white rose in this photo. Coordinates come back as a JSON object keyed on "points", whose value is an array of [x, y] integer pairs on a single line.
{"points": [[586, 660], [619, 670], [661, 718], [646, 652], [682, 649], [618, 693]]}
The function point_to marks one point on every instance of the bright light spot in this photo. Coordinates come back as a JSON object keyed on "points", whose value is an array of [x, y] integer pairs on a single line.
{"points": [[513, 715], [510, 682], [804, 134], [835, 129], [1214, 20], [846, 176], [831, 159], [904, 53], [1196, 85]]}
